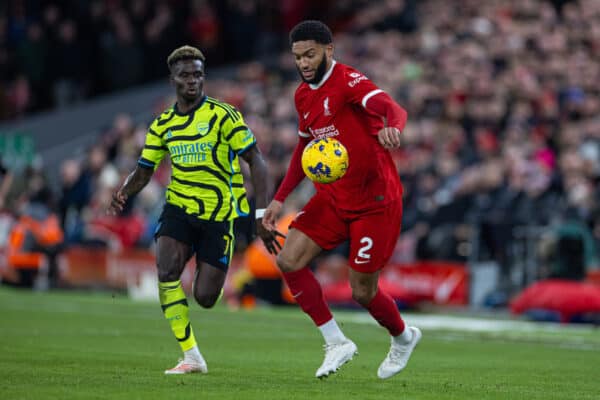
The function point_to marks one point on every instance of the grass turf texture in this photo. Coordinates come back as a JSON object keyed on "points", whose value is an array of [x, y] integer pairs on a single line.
{"points": [[65, 345]]}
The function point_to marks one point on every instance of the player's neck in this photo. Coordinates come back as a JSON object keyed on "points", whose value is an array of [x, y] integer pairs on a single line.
{"points": [[324, 78], [183, 106]]}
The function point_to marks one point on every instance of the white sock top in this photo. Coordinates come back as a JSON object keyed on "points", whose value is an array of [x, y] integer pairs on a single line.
{"points": [[405, 337], [192, 354], [331, 332]]}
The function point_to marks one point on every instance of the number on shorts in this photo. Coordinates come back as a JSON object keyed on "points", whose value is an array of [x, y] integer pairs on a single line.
{"points": [[368, 243], [227, 240]]}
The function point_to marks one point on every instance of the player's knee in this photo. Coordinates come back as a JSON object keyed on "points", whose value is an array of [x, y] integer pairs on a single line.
{"points": [[206, 300], [167, 274], [362, 295], [285, 263]]}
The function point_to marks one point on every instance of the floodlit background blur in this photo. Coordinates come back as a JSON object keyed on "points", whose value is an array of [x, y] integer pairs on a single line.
{"points": [[500, 161]]}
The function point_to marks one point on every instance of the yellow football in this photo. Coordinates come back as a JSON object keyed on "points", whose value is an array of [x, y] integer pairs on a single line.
{"points": [[325, 160]]}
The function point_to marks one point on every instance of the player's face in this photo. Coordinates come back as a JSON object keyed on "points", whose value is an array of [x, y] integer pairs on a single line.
{"points": [[312, 59], [188, 78]]}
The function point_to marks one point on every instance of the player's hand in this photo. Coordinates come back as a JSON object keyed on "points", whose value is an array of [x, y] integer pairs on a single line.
{"points": [[269, 237], [117, 203], [269, 219], [389, 137]]}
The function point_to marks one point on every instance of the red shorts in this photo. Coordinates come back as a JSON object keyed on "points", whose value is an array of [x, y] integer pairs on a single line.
{"points": [[372, 233]]}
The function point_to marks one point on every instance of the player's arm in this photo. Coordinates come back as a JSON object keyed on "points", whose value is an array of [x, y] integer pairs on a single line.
{"points": [[362, 91], [243, 143], [395, 116], [260, 182], [259, 175], [133, 184], [294, 174], [293, 177], [152, 154]]}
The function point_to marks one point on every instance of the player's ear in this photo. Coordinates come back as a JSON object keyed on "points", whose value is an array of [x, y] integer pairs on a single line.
{"points": [[329, 50]]}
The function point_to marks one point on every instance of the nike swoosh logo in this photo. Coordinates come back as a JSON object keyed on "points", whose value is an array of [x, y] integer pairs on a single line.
{"points": [[305, 115], [297, 294], [357, 261]]}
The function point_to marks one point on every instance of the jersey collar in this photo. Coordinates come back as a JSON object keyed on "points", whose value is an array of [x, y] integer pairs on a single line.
{"points": [[193, 110], [325, 77]]}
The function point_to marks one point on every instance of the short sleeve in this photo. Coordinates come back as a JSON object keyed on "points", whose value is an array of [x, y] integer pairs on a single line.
{"points": [[235, 132], [359, 88], [154, 149]]}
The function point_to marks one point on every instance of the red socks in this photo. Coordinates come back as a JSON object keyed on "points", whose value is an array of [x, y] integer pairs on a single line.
{"points": [[308, 294], [384, 310]]}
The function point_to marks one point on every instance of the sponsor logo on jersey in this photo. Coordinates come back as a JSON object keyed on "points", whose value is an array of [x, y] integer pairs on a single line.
{"points": [[356, 80], [326, 131], [190, 153]]}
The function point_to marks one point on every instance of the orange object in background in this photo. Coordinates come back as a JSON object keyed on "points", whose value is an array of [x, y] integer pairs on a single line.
{"points": [[46, 233], [262, 265], [257, 259]]}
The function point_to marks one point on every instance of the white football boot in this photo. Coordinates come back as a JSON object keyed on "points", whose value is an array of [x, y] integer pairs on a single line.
{"points": [[398, 355], [188, 366], [336, 355]]}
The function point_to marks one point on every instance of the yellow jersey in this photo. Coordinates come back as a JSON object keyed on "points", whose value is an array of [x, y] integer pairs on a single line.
{"points": [[204, 146]]}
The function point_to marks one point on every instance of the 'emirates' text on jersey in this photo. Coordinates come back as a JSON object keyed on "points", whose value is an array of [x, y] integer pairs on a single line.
{"points": [[204, 145], [336, 108]]}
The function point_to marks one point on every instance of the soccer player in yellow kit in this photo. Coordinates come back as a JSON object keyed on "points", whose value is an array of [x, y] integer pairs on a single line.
{"points": [[204, 138]]}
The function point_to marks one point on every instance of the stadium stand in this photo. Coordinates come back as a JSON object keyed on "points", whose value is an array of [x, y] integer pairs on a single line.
{"points": [[501, 159]]}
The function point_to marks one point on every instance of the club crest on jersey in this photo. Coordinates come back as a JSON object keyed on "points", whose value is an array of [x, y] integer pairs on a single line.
{"points": [[326, 110], [203, 128]]}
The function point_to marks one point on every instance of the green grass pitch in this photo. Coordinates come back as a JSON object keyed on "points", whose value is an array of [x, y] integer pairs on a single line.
{"points": [[64, 345]]}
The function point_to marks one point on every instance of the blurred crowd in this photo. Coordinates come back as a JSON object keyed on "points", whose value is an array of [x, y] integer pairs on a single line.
{"points": [[501, 153], [56, 53]]}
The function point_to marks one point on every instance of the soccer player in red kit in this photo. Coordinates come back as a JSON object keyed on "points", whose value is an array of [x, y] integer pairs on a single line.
{"points": [[364, 206]]}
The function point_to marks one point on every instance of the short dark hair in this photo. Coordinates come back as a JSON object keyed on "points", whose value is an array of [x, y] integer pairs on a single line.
{"points": [[184, 53], [311, 30]]}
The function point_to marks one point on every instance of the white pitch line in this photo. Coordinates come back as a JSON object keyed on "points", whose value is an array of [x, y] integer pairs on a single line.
{"points": [[473, 324]]}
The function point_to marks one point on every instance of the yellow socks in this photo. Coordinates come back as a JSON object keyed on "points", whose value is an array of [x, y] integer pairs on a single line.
{"points": [[175, 307]]}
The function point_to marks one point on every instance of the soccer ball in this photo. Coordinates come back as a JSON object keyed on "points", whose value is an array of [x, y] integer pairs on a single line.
{"points": [[325, 160]]}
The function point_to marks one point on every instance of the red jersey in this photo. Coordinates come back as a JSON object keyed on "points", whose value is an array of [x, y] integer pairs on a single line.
{"points": [[336, 107]]}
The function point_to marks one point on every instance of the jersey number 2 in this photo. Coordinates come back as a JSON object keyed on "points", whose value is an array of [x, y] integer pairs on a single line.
{"points": [[368, 243]]}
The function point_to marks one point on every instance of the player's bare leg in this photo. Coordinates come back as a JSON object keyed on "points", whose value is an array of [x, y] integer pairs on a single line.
{"points": [[172, 256], [297, 252], [382, 307], [208, 284]]}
